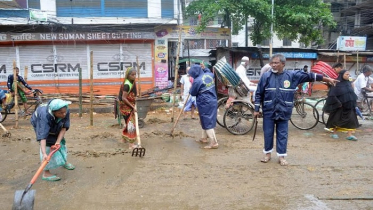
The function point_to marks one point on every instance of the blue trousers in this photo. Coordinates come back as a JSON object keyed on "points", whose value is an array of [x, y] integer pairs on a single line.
{"points": [[281, 135]]}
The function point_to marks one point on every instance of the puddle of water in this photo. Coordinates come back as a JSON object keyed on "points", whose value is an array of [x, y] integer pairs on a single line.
{"points": [[316, 204]]}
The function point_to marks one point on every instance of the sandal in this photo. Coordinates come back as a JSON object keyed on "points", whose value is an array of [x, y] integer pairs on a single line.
{"points": [[202, 141], [352, 138], [265, 159], [52, 178], [334, 136], [329, 130], [283, 162], [214, 146], [69, 166]]}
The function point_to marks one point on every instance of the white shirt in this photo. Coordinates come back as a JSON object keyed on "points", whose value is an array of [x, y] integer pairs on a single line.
{"points": [[187, 85], [241, 71], [265, 68], [360, 82]]}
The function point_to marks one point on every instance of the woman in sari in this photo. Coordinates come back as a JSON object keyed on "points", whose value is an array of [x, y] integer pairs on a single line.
{"points": [[127, 99], [340, 105]]}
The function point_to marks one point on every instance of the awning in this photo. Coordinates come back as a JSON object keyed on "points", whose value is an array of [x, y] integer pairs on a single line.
{"points": [[194, 60]]}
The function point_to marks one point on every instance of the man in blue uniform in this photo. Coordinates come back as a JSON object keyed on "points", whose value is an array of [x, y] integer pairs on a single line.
{"points": [[275, 94]]}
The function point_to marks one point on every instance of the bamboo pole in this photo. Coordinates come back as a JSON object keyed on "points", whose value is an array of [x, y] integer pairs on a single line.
{"points": [[91, 88], [344, 60], [80, 93], [176, 72], [26, 73], [357, 61], [138, 76], [15, 85]]}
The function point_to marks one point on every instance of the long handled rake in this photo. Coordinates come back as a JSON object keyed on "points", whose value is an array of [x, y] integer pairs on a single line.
{"points": [[138, 151], [7, 133]]}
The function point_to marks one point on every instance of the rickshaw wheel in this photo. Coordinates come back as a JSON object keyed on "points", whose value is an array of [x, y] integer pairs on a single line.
{"points": [[239, 118]]}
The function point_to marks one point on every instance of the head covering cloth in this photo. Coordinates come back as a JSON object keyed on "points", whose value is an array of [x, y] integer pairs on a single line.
{"points": [[131, 84], [57, 104]]}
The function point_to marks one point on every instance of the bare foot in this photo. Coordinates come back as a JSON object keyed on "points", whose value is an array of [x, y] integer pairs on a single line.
{"points": [[133, 146], [47, 174]]}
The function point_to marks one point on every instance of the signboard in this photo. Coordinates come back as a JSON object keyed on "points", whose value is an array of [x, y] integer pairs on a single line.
{"points": [[190, 32], [351, 43], [298, 55], [76, 36], [38, 15]]}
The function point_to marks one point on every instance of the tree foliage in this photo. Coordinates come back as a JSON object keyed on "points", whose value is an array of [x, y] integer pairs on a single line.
{"points": [[301, 20]]}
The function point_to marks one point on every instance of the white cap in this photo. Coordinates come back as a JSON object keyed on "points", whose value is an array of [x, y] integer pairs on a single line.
{"points": [[245, 58]]}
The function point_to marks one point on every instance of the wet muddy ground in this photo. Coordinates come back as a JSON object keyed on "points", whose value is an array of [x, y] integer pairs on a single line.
{"points": [[176, 173]]}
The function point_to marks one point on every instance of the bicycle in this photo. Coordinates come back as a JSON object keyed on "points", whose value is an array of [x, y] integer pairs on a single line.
{"points": [[37, 100], [221, 111], [304, 115], [324, 116], [366, 108], [239, 117]]}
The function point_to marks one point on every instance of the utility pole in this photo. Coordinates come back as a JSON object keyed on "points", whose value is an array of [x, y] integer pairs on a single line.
{"points": [[271, 41], [246, 33], [176, 64]]}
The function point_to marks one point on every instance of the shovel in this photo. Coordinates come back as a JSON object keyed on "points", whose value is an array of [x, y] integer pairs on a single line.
{"points": [[24, 199], [178, 117], [138, 151]]}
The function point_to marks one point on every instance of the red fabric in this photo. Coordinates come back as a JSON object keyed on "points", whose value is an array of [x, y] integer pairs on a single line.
{"points": [[324, 69], [129, 137], [191, 79]]}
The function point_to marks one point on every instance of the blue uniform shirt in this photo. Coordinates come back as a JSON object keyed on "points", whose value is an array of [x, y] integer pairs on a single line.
{"points": [[275, 92]]}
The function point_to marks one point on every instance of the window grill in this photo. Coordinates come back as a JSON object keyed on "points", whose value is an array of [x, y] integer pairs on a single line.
{"points": [[195, 43], [214, 43]]}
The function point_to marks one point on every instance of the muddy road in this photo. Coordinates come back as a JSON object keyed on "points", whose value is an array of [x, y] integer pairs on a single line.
{"points": [[176, 173]]}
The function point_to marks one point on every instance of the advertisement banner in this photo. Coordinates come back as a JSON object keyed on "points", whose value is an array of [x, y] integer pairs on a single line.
{"points": [[161, 63], [351, 43], [62, 62]]}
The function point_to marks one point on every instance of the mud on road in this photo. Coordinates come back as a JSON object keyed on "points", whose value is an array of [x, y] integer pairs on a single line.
{"points": [[176, 173]]}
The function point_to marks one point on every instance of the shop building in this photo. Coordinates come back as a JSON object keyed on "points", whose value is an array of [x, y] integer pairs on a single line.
{"points": [[50, 41]]}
